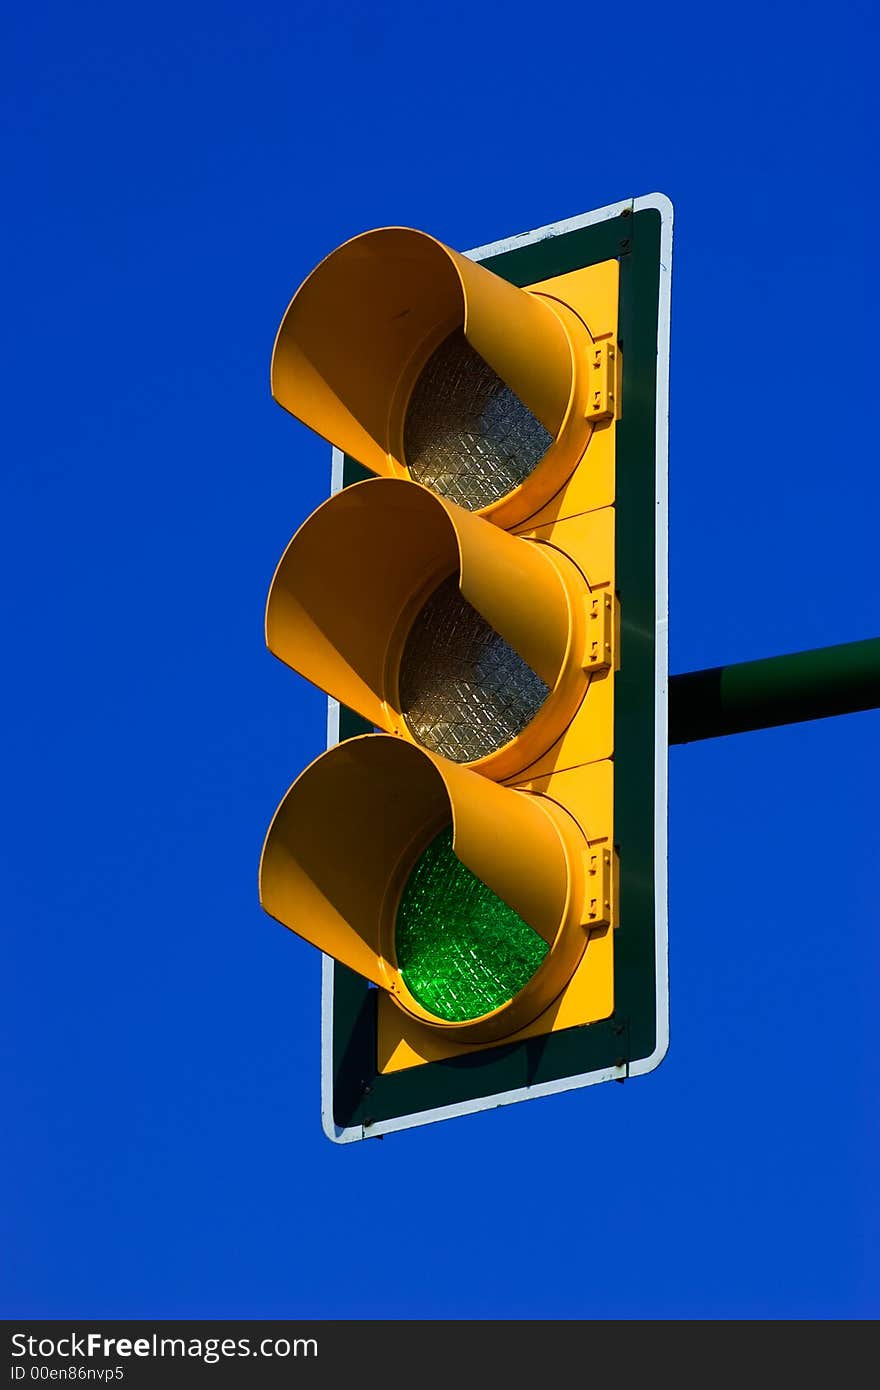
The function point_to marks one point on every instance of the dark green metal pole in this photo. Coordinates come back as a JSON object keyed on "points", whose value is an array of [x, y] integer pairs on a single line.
{"points": [[778, 690]]}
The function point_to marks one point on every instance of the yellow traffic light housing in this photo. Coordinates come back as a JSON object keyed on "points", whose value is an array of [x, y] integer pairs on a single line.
{"points": [[386, 582], [388, 802], [393, 320], [461, 857]]}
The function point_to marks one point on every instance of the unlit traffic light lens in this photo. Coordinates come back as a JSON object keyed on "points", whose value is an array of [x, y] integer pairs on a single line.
{"points": [[462, 952], [466, 435], [464, 691]]}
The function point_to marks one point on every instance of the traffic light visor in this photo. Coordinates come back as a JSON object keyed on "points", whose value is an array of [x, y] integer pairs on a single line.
{"points": [[422, 364], [391, 861], [433, 623]]}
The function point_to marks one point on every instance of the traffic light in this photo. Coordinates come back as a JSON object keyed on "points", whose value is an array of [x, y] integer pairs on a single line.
{"points": [[480, 855]]}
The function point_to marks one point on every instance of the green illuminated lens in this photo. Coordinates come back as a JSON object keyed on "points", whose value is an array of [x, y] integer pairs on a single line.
{"points": [[461, 951]]}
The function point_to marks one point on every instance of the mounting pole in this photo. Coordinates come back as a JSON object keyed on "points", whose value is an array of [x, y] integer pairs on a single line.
{"points": [[776, 690]]}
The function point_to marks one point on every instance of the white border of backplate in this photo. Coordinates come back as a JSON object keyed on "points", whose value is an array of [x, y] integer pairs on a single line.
{"points": [[646, 1064]]}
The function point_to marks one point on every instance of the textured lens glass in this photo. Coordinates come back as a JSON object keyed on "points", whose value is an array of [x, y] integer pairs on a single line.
{"points": [[461, 951], [464, 691], [466, 435]]}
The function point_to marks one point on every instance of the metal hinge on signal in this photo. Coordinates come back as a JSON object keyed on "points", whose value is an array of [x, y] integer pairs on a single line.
{"points": [[597, 906], [602, 393], [599, 654]]}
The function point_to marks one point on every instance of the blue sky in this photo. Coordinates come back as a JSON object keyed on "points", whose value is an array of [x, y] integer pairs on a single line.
{"points": [[171, 175]]}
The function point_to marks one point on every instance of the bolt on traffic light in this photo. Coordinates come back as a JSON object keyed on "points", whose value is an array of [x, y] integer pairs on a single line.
{"points": [[461, 859]]}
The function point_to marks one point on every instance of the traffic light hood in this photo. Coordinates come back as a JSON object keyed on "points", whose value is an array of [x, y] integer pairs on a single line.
{"points": [[357, 576], [347, 834], [362, 327]]}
